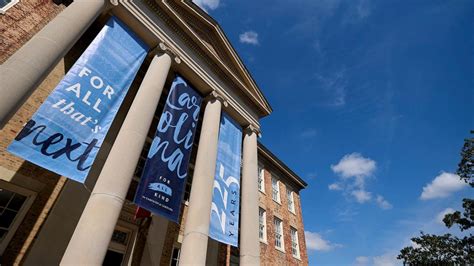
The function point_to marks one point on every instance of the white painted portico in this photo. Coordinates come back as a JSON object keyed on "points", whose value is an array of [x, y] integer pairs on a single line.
{"points": [[188, 42]]}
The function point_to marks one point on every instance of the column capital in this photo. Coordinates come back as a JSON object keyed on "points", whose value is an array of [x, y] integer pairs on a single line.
{"points": [[163, 48], [253, 129], [214, 95]]}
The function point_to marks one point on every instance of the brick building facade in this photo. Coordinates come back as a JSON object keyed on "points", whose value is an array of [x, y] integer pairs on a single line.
{"points": [[37, 229], [279, 198]]}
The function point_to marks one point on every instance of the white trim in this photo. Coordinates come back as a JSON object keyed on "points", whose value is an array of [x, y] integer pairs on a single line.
{"points": [[264, 222], [278, 200], [261, 179], [5, 8], [289, 195], [295, 240], [128, 248], [21, 213], [280, 231], [176, 246]]}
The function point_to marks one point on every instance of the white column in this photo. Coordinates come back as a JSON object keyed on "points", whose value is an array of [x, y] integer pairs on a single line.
{"points": [[196, 228], [92, 235], [249, 240], [26, 69]]}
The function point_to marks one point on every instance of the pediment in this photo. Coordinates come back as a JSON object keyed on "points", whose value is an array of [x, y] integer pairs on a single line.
{"points": [[212, 40]]}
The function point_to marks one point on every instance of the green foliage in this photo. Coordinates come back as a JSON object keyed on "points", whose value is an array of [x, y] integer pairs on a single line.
{"points": [[448, 249], [466, 166], [438, 250], [466, 221]]}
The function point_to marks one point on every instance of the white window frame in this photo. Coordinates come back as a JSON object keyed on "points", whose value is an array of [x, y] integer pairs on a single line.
{"points": [[8, 6], [290, 200], [21, 213], [126, 249], [176, 246], [278, 225], [276, 190], [295, 245], [262, 225], [261, 179]]}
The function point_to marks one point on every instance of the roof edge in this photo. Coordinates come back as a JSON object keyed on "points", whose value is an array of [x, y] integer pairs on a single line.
{"points": [[236, 55], [281, 165]]}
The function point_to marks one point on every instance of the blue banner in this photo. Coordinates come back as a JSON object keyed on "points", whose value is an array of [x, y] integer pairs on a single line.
{"points": [[224, 225], [164, 176], [68, 129]]}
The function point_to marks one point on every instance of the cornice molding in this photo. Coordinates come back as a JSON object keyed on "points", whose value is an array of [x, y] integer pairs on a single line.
{"points": [[219, 39], [214, 95], [162, 48], [176, 14], [250, 129], [159, 22]]}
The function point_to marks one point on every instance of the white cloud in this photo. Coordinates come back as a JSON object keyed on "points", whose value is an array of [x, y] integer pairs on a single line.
{"points": [[442, 186], [361, 195], [414, 245], [335, 186], [312, 175], [347, 214], [249, 37], [353, 169], [334, 85], [361, 261], [440, 216], [205, 4], [363, 9], [383, 203], [309, 133], [315, 241], [354, 165], [387, 259]]}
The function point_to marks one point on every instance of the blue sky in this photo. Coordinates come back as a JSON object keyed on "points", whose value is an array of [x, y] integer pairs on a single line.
{"points": [[372, 101]]}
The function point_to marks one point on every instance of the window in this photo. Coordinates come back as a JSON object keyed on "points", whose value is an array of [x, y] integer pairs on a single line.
{"points": [[6, 4], [120, 245], [278, 234], [275, 190], [14, 203], [175, 256], [262, 219], [291, 203], [261, 179], [295, 249]]}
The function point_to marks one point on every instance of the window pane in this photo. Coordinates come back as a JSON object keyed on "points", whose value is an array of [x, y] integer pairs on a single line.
{"points": [[261, 220], [4, 2], [175, 257], [294, 242], [275, 190], [5, 196], [278, 233], [16, 202], [3, 232], [119, 237], [6, 218], [113, 258]]}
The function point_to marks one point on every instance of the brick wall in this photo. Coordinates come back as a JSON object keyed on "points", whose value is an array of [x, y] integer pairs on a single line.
{"points": [[23, 21], [23, 171], [17, 26], [269, 255]]}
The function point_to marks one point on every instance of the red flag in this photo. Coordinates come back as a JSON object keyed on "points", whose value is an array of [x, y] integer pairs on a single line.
{"points": [[141, 213]]}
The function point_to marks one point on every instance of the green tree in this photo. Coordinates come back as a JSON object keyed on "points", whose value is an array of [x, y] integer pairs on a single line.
{"points": [[448, 249]]}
